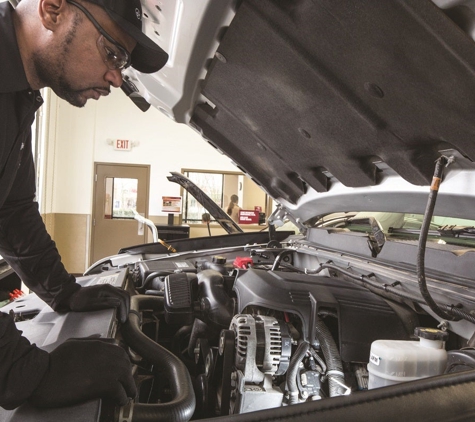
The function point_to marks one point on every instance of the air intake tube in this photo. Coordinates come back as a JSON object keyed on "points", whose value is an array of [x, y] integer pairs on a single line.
{"points": [[182, 406], [218, 306]]}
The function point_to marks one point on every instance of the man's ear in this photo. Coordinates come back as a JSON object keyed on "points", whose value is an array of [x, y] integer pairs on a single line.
{"points": [[51, 12]]}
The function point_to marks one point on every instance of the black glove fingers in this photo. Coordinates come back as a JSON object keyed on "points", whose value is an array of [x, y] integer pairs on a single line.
{"points": [[123, 307], [93, 298], [128, 384], [120, 373], [116, 394]]}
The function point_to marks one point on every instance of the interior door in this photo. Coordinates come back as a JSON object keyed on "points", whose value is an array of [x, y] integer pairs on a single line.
{"points": [[118, 189]]}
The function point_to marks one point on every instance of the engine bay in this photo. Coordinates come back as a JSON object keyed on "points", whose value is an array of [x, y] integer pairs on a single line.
{"points": [[216, 333]]}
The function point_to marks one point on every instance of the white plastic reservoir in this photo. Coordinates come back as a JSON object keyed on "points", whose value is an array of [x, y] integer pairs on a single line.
{"points": [[395, 361]]}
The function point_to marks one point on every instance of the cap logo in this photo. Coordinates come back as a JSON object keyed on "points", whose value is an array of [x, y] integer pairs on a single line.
{"points": [[138, 14]]}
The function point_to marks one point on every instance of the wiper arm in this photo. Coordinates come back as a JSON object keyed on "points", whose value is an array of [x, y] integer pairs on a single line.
{"points": [[456, 231], [376, 237], [394, 230], [443, 231]]}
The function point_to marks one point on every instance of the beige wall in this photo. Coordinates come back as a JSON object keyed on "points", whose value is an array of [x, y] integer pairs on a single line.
{"points": [[70, 232], [253, 196]]}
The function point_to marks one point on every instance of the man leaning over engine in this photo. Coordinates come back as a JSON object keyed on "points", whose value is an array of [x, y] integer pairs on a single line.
{"points": [[79, 49]]}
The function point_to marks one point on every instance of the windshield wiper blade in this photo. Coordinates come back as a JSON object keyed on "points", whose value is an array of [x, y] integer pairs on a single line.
{"points": [[395, 230], [456, 231], [443, 231]]}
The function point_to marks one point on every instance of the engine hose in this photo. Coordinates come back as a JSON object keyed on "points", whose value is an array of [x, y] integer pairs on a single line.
{"points": [[421, 249], [318, 359], [218, 304], [460, 313], [336, 378], [293, 370], [153, 275], [276, 264], [182, 406]]}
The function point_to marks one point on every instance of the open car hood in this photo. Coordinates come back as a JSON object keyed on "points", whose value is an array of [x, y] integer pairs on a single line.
{"points": [[326, 104]]}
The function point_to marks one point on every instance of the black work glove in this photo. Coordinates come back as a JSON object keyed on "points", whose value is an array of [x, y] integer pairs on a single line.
{"points": [[81, 370], [102, 296]]}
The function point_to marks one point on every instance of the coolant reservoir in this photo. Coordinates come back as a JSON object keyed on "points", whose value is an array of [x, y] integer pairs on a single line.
{"points": [[395, 361]]}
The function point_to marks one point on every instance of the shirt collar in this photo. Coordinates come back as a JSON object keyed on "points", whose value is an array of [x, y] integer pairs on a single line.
{"points": [[12, 73]]}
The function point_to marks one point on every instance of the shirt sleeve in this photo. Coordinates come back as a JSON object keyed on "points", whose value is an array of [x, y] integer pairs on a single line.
{"points": [[22, 365], [26, 245]]}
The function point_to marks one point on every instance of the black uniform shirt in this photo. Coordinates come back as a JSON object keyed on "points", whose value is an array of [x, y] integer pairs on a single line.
{"points": [[24, 242]]}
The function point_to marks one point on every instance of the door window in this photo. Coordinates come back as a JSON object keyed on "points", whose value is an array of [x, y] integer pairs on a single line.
{"points": [[120, 198]]}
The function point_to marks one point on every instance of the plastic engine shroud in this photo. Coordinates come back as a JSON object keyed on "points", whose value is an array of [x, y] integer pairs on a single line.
{"points": [[362, 316]]}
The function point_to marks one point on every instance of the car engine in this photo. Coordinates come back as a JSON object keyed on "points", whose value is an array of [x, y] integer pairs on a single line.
{"points": [[256, 332], [244, 330]]}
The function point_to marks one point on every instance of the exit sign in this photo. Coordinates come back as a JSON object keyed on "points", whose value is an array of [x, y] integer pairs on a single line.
{"points": [[122, 145]]}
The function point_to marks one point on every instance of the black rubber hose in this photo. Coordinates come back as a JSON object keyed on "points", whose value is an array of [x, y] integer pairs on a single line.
{"points": [[182, 406], [277, 261], [219, 307], [293, 370], [421, 249], [460, 313], [153, 275], [336, 377]]}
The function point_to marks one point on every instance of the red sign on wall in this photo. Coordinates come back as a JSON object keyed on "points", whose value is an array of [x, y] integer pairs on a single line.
{"points": [[248, 217], [122, 145]]}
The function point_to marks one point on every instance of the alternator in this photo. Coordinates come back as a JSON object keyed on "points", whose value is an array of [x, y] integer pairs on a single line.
{"points": [[263, 346], [263, 349]]}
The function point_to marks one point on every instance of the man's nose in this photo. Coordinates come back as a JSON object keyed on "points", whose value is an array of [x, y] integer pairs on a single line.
{"points": [[114, 77]]}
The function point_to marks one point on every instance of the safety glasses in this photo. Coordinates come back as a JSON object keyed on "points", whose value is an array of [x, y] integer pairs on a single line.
{"points": [[114, 55]]}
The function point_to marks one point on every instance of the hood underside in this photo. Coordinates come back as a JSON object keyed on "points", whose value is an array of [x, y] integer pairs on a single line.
{"points": [[305, 95]]}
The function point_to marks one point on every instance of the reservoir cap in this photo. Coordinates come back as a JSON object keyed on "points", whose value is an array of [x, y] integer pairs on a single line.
{"points": [[218, 259], [431, 334]]}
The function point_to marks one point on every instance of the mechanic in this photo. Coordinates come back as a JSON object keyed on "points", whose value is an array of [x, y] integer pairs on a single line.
{"points": [[78, 48]]}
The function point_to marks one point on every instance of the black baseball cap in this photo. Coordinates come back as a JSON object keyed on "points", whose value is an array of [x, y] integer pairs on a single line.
{"points": [[147, 57]]}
